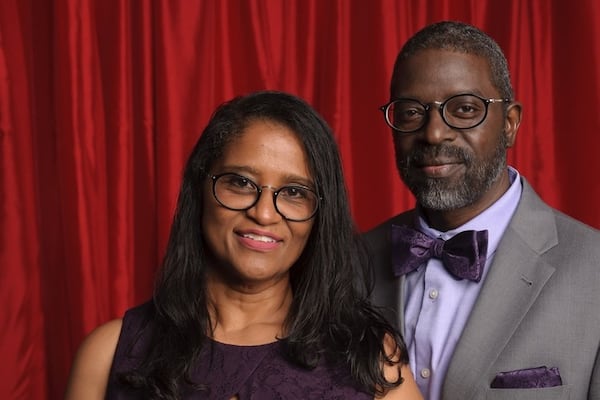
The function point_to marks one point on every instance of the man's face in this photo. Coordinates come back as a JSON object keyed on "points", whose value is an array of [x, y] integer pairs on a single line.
{"points": [[446, 168]]}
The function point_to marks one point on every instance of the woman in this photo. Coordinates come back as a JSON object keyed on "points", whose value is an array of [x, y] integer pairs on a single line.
{"points": [[262, 293]]}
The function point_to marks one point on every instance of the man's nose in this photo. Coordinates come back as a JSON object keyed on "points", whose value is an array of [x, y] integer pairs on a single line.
{"points": [[436, 130]]}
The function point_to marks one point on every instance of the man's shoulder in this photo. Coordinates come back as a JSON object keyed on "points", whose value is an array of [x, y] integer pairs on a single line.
{"points": [[533, 212], [570, 228], [561, 240], [401, 219], [378, 236]]}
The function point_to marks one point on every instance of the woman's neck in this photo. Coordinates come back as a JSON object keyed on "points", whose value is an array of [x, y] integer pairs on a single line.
{"points": [[248, 314]]}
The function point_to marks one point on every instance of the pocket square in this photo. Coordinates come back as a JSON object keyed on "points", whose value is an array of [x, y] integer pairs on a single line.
{"points": [[539, 377]]}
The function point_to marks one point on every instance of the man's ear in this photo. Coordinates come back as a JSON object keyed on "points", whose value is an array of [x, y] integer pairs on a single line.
{"points": [[512, 122]]}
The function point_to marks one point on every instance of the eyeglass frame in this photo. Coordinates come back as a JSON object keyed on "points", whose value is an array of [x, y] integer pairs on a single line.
{"points": [[259, 190], [441, 104]]}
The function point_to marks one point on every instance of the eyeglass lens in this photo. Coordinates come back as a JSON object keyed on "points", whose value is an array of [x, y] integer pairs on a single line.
{"points": [[461, 112], [236, 192]]}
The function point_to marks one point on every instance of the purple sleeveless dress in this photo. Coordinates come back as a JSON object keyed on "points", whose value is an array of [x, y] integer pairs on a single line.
{"points": [[250, 372]]}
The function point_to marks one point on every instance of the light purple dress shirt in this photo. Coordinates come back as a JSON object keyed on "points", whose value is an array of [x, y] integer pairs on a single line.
{"points": [[437, 305]]}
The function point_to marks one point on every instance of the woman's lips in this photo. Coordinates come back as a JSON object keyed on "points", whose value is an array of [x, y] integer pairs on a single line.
{"points": [[258, 241]]}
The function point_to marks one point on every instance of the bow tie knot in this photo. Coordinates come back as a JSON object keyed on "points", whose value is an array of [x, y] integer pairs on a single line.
{"points": [[462, 255], [437, 248]]}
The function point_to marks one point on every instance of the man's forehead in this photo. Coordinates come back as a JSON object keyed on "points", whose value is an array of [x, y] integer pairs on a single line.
{"points": [[443, 72]]}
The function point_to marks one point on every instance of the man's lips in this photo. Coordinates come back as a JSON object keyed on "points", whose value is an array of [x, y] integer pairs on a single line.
{"points": [[439, 169]]}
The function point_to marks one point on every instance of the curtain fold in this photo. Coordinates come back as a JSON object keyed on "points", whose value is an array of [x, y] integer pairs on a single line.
{"points": [[22, 322], [102, 100]]}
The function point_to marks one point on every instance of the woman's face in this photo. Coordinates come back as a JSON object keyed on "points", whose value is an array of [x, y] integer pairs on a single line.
{"points": [[257, 247]]}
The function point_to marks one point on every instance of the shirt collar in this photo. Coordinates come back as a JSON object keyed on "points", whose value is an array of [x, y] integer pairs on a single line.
{"points": [[495, 218]]}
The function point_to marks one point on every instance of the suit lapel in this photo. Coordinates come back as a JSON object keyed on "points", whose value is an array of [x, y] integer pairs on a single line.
{"points": [[390, 289], [516, 277]]}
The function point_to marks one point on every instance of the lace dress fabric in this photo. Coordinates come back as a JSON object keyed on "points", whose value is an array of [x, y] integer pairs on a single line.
{"points": [[248, 372]]}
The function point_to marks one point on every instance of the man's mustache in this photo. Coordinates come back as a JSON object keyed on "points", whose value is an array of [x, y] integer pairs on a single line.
{"points": [[423, 154]]}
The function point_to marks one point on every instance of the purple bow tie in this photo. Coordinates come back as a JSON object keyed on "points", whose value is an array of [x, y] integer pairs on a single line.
{"points": [[462, 255]]}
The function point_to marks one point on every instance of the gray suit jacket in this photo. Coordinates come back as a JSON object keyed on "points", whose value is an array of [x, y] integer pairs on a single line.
{"points": [[539, 306]]}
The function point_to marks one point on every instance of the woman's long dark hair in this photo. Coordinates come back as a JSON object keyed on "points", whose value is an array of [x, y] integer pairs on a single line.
{"points": [[330, 317]]}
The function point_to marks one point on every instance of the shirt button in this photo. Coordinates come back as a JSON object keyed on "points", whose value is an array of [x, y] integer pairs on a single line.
{"points": [[433, 294], [425, 373]]}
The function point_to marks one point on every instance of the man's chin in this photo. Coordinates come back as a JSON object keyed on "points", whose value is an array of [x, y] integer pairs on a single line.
{"points": [[441, 197], [432, 186]]}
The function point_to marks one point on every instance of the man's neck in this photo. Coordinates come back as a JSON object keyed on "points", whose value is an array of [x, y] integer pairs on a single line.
{"points": [[445, 220]]}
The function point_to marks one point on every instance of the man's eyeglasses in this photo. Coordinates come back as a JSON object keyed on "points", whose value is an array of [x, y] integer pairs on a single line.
{"points": [[238, 193], [462, 111]]}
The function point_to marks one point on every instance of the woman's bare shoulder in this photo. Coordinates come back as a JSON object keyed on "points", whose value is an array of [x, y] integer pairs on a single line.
{"points": [[91, 366]]}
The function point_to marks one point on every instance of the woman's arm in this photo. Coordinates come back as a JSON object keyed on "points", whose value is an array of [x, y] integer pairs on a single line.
{"points": [[91, 366], [408, 390]]}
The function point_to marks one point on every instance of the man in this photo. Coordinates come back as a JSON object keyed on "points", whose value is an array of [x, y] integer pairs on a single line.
{"points": [[521, 318]]}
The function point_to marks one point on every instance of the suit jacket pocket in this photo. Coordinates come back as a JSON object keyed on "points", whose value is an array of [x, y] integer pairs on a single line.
{"points": [[550, 393]]}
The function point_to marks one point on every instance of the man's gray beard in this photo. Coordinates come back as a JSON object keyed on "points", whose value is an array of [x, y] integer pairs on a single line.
{"points": [[446, 194]]}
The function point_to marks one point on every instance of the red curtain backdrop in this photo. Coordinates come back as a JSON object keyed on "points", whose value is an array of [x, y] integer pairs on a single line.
{"points": [[101, 101]]}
